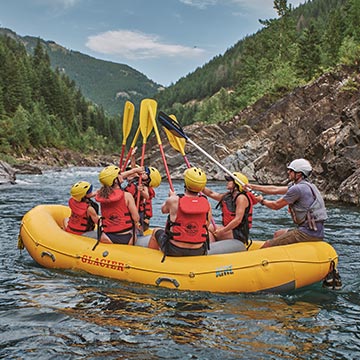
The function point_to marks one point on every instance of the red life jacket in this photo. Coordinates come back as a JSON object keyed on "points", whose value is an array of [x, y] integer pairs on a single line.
{"points": [[79, 221], [115, 213], [148, 211], [228, 207], [132, 188], [191, 218]]}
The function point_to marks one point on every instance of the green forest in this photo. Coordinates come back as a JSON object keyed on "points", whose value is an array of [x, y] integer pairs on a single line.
{"points": [[290, 51], [41, 107]]}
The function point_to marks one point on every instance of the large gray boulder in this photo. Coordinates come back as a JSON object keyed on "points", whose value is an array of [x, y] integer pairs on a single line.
{"points": [[7, 173]]}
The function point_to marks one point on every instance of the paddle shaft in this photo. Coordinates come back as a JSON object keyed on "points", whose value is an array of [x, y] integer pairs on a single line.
{"points": [[158, 138], [121, 156], [216, 162], [140, 177], [131, 148]]}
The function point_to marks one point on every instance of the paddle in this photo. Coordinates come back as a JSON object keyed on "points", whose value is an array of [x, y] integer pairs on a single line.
{"points": [[128, 118], [175, 128], [131, 148], [147, 108], [152, 115], [177, 143]]}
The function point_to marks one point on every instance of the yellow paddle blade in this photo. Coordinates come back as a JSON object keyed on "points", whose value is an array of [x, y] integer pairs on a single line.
{"points": [[177, 143], [128, 118], [148, 109]]}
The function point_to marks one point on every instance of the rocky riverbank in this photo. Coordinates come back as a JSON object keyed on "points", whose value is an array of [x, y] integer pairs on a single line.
{"points": [[39, 160]]}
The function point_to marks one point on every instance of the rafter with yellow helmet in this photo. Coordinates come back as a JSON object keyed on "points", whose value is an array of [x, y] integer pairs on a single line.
{"points": [[175, 129]]}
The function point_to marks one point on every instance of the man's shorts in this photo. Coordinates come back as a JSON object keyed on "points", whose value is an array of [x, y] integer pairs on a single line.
{"points": [[292, 237]]}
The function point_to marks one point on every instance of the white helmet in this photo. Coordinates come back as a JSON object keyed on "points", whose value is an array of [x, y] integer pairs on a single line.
{"points": [[301, 165]]}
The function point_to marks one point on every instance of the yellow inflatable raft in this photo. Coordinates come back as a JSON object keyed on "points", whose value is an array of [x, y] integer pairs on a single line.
{"points": [[277, 269]]}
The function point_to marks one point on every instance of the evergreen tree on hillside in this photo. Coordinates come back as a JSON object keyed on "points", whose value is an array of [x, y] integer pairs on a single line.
{"points": [[40, 107], [332, 38], [353, 15], [308, 62]]}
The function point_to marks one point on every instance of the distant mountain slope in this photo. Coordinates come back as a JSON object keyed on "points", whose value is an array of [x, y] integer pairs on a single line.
{"points": [[296, 47], [105, 83]]}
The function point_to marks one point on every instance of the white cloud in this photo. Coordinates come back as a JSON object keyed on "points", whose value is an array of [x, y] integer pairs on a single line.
{"points": [[136, 45], [65, 4], [201, 4]]}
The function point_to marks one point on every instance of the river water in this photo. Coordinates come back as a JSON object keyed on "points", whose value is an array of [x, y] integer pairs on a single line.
{"points": [[53, 314]]}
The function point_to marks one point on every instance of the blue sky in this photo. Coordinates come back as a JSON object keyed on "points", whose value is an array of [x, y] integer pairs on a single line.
{"points": [[164, 39]]}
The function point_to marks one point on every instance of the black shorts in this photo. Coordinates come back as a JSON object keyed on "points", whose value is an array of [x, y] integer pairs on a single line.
{"points": [[170, 249], [120, 238], [239, 235]]}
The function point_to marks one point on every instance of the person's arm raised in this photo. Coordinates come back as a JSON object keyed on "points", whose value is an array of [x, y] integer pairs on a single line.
{"points": [[269, 189], [212, 194]]}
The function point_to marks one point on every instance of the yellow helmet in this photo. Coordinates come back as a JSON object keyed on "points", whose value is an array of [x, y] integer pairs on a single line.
{"points": [[195, 179], [241, 177], [154, 176], [108, 175], [80, 189]]}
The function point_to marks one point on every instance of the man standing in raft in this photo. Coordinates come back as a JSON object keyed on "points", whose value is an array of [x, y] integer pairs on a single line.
{"points": [[186, 230], [305, 202], [237, 208]]}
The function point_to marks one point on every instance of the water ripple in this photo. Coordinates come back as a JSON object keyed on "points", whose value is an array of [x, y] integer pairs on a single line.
{"points": [[53, 314]]}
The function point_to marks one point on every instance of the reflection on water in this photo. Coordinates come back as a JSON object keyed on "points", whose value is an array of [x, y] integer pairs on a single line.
{"points": [[47, 314]]}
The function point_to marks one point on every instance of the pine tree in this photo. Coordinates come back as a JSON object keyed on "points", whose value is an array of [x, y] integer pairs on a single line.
{"points": [[308, 61], [333, 36], [19, 138]]}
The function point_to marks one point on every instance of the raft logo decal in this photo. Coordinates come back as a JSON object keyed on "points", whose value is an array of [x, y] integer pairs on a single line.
{"points": [[102, 262], [191, 228], [224, 270]]}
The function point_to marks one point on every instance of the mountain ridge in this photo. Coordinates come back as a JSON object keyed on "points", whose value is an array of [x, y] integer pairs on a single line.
{"points": [[106, 83]]}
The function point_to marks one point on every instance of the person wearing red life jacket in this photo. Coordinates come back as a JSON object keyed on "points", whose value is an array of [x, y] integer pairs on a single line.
{"points": [[152, 180], [84, 211], [118, 209], [186, 230], [137, 190], [237, 209]]}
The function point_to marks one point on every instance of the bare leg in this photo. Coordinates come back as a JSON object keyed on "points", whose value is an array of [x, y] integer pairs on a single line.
{"points": [[105, 239], [211, 233], [280, 232], [153, 244], [266, 245], [65, 222]]}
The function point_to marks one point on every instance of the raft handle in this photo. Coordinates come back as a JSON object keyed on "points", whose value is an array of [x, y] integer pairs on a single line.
{"points": [[44, 253], [161, 279]]}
